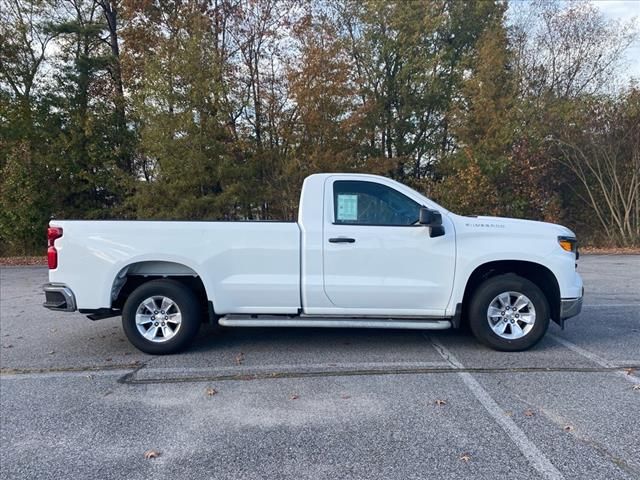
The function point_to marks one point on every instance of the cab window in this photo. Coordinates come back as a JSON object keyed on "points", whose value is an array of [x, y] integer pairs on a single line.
{"points": [[370, 203]]}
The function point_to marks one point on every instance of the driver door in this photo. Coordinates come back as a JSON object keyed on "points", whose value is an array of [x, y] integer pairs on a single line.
{"points": [[377, 259]]}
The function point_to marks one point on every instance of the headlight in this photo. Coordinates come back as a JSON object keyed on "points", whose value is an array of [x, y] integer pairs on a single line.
{"points": [[569, 244]]}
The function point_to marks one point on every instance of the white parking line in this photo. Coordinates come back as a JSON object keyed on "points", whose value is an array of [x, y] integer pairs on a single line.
{"points": [[594, 358], [531, 452]]}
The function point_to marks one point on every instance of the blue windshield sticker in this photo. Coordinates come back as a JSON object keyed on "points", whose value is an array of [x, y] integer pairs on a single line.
{"points": [[347, 207]]}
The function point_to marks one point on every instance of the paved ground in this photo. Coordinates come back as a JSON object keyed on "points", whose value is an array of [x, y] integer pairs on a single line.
{"points": [[77, 401]]}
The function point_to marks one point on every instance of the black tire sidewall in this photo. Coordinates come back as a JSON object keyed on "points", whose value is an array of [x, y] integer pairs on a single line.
{"points": [[487, 291], [189, 308]]}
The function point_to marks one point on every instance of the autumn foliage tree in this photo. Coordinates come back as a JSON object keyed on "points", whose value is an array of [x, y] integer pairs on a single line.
{"points": [[218, 109], [603, 155]]}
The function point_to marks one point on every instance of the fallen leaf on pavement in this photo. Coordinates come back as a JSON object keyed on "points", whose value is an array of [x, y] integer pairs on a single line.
{"points": [[294, 397], [441, 402], [529, 413], [509, 413], [210, 391], [465, 457], [239, 358], [630, 370], [151, 454], [568, 428]]}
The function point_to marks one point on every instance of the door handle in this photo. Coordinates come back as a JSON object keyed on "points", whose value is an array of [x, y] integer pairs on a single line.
{"points": [[342, 240]]}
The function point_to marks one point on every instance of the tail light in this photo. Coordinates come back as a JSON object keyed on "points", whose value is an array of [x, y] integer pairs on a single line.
{"points": [[52, 254]]}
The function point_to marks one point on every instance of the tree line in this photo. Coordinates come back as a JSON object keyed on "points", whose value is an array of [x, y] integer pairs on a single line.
{"points": [[218, 109]]}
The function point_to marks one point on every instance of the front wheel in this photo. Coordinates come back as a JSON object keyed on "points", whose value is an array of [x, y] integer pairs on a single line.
{"points": [[161, 317], [509, 313]]}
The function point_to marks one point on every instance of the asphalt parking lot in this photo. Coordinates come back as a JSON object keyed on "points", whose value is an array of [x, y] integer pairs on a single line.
{"points": [[77, 401]]}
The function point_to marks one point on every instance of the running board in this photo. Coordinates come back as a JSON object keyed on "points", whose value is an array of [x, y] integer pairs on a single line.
{"points": [[333, 322]]}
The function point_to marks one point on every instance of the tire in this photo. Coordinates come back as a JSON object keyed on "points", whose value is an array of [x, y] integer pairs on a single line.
{"points": [[509, 313], [160, 333]]}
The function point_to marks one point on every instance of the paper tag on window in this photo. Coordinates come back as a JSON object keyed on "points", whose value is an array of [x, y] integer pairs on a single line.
{"points": [[347, 207]]}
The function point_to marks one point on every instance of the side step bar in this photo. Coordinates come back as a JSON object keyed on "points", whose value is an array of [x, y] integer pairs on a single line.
{"points": [[333, 322]]}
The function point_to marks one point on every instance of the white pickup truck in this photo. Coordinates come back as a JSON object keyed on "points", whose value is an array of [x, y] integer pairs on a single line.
{"points": [[365, 252]]}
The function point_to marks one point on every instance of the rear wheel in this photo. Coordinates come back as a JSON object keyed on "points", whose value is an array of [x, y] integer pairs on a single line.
{"points": [[509, 313], [161, 317]]}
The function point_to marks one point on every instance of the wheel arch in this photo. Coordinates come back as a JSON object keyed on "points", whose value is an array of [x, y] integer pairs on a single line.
{"points": [[539, 274], [138, 273]]}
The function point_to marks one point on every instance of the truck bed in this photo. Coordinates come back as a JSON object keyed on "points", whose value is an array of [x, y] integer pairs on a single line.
{"points": [[246, 267]]}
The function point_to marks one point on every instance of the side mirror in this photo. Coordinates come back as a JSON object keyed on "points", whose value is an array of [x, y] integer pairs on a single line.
{"points": [[433, 220], [430, 218]]}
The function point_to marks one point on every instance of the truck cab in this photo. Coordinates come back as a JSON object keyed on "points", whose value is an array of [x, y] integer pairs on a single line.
{"points": [[365, 251]]}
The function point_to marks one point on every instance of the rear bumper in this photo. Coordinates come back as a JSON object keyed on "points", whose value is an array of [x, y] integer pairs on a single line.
{"points": [[59, 297], [570, 307]]}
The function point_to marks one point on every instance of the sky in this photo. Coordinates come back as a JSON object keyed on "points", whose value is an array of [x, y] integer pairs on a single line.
{"points": [[624, 10]]}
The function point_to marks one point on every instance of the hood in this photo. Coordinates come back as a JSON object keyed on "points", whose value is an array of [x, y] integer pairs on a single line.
{"points": [[512, 225]]}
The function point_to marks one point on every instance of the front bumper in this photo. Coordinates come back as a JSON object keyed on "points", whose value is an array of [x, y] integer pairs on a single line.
{"points": [[570, 307], [59, 297]]}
